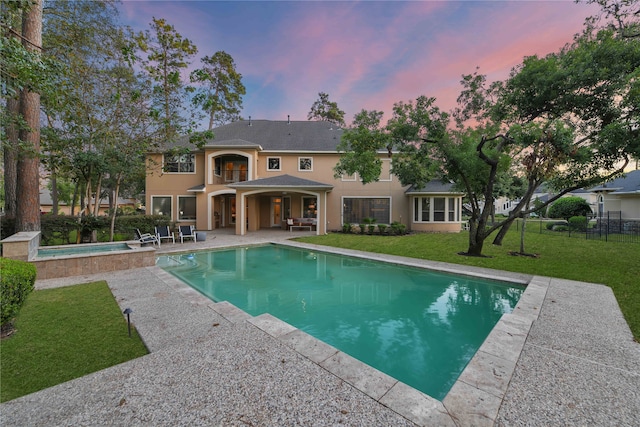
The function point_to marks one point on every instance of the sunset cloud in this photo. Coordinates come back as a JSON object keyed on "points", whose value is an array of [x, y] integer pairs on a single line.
{"points": [[364, 54]]}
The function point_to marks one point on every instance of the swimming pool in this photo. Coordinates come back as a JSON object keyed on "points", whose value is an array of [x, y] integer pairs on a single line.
{"points": [[419, 326]]}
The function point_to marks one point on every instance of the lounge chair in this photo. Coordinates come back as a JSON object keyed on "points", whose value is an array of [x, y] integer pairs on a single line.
{"points": [[187, 232], [163, 232], [147, 238]]}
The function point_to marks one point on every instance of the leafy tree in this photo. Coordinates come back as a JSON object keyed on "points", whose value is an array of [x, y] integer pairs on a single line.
{"points": [[569, 119], [75, 131], [538, 208], [168, 54], [591, 86], [221, 92], [325, 110], [132, 129], [99, 126], [360, 144], [568, 207]]}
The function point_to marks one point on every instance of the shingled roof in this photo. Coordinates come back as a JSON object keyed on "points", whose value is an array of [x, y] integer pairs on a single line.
{"points": [[434, 186], [626, 184], [274, 136]]}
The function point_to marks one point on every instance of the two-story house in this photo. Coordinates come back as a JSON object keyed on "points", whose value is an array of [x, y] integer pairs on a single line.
{"points": [[256, 174]]}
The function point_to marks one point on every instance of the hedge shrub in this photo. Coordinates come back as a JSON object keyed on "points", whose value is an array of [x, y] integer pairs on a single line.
{"points": [[567, 207], [57, 227], [17, 279], [578, 223], [398, 228]]}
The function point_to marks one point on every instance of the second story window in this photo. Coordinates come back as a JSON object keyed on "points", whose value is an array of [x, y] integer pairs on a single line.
{"points": [[180, 163], [305, 163], [273, 163]]}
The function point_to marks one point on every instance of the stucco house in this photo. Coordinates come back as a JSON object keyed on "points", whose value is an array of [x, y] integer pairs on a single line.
{"points": [[620, 195], [256, 174]]}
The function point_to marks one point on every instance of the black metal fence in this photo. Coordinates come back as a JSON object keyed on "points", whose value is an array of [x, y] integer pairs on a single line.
{"points": [[609, 227]]}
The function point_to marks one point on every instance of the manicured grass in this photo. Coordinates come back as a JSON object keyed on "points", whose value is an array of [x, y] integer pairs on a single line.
{"points": [[616, 265], [62, 334]]}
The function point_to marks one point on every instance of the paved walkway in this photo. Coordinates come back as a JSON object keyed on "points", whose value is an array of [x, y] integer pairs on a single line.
{"points": [[565, 356]]}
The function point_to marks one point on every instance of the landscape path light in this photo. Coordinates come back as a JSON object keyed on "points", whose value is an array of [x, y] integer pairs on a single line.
{"points": [[128, 312]]}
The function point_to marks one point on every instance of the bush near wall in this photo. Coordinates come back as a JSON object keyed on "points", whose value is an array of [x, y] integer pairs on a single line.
{"points": [[17, 279], [57, 227], [145, 223]]}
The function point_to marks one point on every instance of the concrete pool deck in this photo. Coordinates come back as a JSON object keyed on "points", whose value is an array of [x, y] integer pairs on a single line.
{"points": [[565, 356]]}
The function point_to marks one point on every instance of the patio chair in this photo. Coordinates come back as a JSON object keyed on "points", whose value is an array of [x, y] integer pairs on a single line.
{"points": [[163, 232], [147, 238], [187, 232]]}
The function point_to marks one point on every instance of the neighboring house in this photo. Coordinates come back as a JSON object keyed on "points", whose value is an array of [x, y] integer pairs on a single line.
{"points": [[256, 174], [504, 205], [620, 195], [46, 204]]}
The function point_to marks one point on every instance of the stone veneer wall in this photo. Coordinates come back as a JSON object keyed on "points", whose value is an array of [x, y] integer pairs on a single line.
{"points": [[23, 246], [78, 265]]}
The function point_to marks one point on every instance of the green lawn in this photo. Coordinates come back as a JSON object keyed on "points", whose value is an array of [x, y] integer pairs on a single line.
{"points": [[62, 334], [616, 265]]}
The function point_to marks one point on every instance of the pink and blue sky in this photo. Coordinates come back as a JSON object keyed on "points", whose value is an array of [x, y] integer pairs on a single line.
{"points": [[364, 54]]}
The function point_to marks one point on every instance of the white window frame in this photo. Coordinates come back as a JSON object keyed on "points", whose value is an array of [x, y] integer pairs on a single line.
{"points": [[451, 205], [388, 178], [418, 211], [217, 171], [349, 178], [300, 159], [164, 163], [269, 168]]}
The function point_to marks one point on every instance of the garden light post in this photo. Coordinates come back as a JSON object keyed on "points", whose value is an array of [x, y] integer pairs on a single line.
{"points": [[128, 312]]}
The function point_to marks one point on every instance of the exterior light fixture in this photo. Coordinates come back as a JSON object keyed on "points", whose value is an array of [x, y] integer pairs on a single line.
{"points": [[128, 312]]}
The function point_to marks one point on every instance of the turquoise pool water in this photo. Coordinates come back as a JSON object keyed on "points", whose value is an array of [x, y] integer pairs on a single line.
{"points": [[81, 249], [418, 326]]}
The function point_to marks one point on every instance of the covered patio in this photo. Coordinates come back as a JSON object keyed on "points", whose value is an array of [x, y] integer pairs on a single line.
{"points": [[267, 204]]}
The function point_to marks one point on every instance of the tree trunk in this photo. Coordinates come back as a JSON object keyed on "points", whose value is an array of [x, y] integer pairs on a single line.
{"points": [[476, 236], [115, 207], [74, 198], [87, 195], [97, 199], [28, 180], [503, 232], [475, 245], [54, 194], [11, 158]]}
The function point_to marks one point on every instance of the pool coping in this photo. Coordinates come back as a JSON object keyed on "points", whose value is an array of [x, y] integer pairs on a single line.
{"points": [[477, 394]]}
